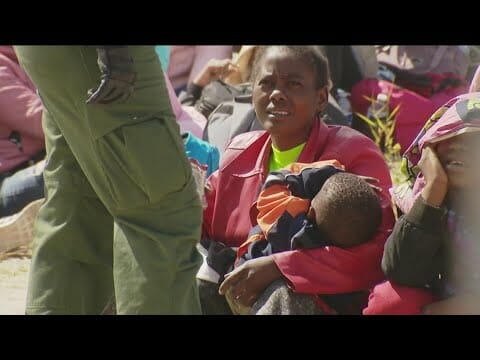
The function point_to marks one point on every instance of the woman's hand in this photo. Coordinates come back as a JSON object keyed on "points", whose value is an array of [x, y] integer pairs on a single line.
{"points": [[435, 176], [215, 69], [250, 279]]}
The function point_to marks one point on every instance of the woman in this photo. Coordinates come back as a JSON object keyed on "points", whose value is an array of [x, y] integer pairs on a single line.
{"points": [[290, 91], [431, 257]]}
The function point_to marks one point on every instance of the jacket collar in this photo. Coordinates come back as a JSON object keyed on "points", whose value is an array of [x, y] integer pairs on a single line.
{"points": [[316, 142], [312, 150]]}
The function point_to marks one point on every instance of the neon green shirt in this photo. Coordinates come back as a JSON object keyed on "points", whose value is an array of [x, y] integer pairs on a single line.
{"points": [[280, 159]]}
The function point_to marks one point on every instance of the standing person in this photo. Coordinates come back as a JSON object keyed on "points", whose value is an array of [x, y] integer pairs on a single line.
{"points": [[290, 92], [121, 214]]}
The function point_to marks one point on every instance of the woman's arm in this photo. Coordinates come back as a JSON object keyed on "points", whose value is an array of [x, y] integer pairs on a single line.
{"points": [[413, 253], [325, 270], [334, 270]]}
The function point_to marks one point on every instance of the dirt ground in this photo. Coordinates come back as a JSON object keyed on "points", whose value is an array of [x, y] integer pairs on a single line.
{"points": [[13, 284]]}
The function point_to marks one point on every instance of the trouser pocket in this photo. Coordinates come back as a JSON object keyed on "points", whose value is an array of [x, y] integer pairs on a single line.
{"points": [[143, 162]]}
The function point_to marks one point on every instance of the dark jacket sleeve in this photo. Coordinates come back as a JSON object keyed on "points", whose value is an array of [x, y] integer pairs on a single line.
{"points": [[413, 254]]}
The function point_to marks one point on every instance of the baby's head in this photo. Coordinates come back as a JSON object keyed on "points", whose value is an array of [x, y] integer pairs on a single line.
{"points": [[347, 210]]}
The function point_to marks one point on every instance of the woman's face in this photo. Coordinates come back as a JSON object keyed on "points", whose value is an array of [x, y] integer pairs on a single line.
{"points": [[460, 158], [285, 97]]}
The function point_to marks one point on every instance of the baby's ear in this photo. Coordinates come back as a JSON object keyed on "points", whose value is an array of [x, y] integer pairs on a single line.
{"points": [[311, 213]]}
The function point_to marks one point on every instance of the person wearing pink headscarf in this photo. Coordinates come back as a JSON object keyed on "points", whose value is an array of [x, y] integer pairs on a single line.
{"points": [[431, 258]]}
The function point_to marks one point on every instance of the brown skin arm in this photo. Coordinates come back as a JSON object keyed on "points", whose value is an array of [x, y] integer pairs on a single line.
{"points": [[215, 69], [436, 187], [250, 279]]}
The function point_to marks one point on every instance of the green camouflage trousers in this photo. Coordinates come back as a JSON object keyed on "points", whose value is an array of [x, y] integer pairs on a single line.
{"points": [[121, 214]]}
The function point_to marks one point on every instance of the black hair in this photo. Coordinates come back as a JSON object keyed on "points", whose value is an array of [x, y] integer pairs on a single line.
{"points": [[347, 210], [310, 54]]}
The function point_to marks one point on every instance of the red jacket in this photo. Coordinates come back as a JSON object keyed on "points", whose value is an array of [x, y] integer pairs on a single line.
{"points": [[234, 188]]}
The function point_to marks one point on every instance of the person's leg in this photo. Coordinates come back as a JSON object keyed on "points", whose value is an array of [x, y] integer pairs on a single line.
{"points": [[21, 188], [278, 299], [133, 157], [148, 187], [391, 299], [155, 259], [71, 269]]}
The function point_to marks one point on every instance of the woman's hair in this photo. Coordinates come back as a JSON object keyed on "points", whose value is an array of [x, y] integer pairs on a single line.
{"points": [[310, 54]]}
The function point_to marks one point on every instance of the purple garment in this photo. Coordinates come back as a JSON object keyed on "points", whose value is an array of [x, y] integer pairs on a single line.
{"points": [[189, 119]]}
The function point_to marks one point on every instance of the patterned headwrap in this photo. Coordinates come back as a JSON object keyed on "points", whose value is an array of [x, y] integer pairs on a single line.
{"points": [[458, 116]]}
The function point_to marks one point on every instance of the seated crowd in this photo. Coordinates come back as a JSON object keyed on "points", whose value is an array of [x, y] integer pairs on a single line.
{"points": [[300, 215]]}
